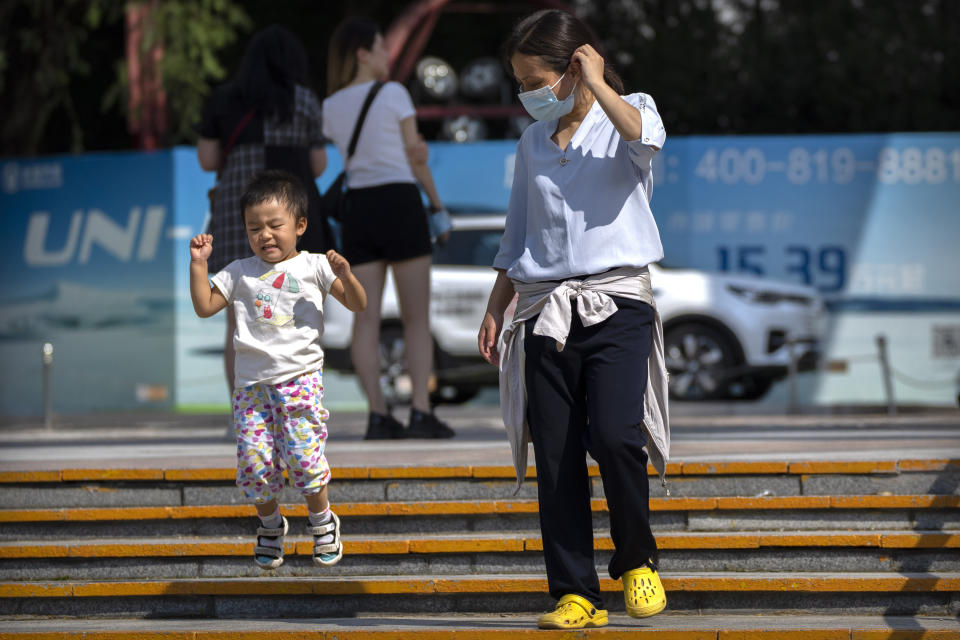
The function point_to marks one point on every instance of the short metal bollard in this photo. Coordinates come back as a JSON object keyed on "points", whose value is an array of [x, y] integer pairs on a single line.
{"points": [[47, 355], [887, 375], [792, 377]]}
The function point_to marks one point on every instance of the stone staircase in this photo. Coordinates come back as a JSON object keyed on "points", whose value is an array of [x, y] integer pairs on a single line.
{"points": [[871, 546]]}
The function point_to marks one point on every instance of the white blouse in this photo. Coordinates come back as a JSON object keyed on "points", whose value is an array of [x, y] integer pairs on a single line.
{"points": [[584, 210]]}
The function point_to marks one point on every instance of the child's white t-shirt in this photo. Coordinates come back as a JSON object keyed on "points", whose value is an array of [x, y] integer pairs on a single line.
{"points": [[380, 157], [279, 313]]}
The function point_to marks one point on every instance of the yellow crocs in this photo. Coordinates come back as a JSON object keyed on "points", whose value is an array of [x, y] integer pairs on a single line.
{"points": [[573, 612], [643, 592]]}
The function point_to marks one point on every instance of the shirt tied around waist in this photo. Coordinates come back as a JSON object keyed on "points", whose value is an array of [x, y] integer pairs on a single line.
{"points": [[552, 301]]}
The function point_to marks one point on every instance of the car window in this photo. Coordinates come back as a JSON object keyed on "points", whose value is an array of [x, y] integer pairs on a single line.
{"points": [[472, 247]]}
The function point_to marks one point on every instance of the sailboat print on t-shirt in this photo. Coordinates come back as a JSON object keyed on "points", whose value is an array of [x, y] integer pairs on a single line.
{"points": [[271, 299]]}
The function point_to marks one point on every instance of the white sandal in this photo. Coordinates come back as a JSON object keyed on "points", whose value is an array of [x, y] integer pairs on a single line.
{"points": [[268, 557], [327, 555]]}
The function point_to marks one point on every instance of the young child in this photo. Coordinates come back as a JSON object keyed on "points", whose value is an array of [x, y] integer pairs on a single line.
{"points": [[277, 299]]}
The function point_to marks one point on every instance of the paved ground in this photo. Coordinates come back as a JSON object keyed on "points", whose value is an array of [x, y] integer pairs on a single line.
{"points": [[190, 441], [518, 623], [177, 440]]}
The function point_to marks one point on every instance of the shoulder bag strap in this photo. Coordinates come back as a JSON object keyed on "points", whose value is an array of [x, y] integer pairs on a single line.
{"points": [[363, 116], [233, 137]]}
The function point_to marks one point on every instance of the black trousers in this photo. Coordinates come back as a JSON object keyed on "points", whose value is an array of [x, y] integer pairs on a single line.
{"points": [[589, 398]]}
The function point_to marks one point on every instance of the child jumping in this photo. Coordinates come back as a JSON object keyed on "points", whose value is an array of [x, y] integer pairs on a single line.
{"points": [[277, 297]]}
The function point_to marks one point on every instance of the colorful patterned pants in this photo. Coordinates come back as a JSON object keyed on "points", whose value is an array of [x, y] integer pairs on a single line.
{"points": [[281, 426]]}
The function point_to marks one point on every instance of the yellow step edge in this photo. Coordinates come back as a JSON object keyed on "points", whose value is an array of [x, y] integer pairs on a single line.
{"points": [[410, 585], [812, 633], [477, 507], [895, 502], [851, 632], [487, 472], [734, 467], [902, 634], [475, 544], [815, 467]]}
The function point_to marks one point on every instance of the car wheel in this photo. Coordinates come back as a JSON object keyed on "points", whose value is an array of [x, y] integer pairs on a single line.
{"points": [[395, 383], [697, 356]]}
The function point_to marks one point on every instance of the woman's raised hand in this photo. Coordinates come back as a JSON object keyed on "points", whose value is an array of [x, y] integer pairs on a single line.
{"points": [[591, 66]]}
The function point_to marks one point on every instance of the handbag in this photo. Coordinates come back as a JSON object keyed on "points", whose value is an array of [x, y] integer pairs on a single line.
{"points": [[212, 192], [333, 199]]}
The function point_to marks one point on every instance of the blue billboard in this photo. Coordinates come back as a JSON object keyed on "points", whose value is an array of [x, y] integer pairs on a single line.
{"points": [[86, 256], [96, 258], [866, 219], [871, 221]]}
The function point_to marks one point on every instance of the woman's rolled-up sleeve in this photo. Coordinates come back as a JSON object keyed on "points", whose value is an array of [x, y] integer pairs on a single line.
{"points": [[514, 231], [650, 141]]}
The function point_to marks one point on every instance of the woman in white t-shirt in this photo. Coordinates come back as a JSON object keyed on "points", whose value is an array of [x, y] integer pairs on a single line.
{"points": [[385, 223]]}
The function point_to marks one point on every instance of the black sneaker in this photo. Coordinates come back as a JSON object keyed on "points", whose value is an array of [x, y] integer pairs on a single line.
{"points": [[383, 427], [426, 425]]}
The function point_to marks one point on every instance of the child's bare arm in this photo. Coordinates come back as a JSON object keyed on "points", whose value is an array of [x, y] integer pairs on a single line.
{"points": [[346, 288], [207, 299]]}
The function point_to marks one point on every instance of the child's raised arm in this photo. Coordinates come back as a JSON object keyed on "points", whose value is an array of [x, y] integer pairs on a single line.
{"points": [[346, 288], [207, 299]]}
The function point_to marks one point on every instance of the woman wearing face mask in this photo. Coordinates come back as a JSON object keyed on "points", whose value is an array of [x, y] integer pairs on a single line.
{"points": [[581, 363]]}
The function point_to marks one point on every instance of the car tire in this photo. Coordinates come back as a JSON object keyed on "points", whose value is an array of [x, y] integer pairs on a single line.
{"points": [[395, 383], [697, 356]]}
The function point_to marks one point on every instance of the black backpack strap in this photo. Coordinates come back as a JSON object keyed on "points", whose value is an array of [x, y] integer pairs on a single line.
{"points": [[363, 116]]}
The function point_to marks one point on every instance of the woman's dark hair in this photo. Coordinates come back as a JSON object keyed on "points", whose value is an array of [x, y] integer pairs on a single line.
{"points": [[274, 61], [350, 35], [553, 35], [274, 184]]}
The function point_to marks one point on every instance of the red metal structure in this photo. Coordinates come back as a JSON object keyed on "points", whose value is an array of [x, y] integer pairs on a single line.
{"points": [[408, 35], [147, 107], [406, 39]]}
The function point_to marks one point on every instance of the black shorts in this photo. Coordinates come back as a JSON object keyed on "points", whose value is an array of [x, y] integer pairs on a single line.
{"points": [[386, 222]]}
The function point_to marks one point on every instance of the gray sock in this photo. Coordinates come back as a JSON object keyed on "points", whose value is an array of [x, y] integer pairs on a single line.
{"points": [[317, 519], [273, 521]]}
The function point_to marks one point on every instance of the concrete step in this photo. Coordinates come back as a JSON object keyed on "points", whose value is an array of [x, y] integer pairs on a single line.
{"points": [[666, 626], [932, 594], [178, 487], [476, 554], [805, 513]]}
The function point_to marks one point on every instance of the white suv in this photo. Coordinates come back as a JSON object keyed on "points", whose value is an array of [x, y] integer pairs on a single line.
{"points": [[725, 336]]}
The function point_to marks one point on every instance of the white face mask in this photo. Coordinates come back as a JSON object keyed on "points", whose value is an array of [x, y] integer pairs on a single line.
{"points": [[543, 104]]}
